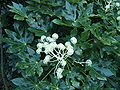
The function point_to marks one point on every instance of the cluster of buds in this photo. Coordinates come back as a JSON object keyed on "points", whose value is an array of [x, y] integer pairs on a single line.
{"points": [[56, 52]]}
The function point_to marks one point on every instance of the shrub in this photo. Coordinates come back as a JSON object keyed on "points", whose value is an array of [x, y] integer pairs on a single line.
{"points": [[63, 45]]}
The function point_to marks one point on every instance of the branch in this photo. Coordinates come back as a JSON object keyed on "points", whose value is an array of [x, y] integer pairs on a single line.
{"points": [[1, 54]]}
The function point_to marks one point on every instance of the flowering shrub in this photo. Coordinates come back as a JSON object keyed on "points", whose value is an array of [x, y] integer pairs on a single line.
{"points": [[61, 45]]}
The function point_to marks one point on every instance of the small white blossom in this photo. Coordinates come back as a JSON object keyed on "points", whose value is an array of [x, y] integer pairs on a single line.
{"points": [[53, 44], [73, 40], [89, 62], [59, 73], [48, 38], [47, 59], [43, 37], [39, 45], [51, 40], [70, 51], [69, 47], [45, 44], [38, 50], [55, 36], [59, 76], [118, 18], [63, 63], [67, 44], [59, 70], [117, 4], [61, 46]]}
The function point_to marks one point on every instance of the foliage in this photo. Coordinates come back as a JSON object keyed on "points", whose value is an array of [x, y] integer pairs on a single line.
{"points": [[96, 29]]}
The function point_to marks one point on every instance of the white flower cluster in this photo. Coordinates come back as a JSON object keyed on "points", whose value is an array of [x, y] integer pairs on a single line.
{"points": [[58, 52]]}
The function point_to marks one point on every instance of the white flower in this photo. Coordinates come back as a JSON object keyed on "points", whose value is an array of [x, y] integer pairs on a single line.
{"points": [[117, 4], [69, 47], [51, 40], [61, 46], [88, 62], [70, 52], [59, 73], [55, 36], [47, 59], [67, 44], [107, 6], [53, 44], [45, 44], [59, 76], [39, 45], [48, 48], [39, 50], [43, 37], [59, 70], [63, 63], [118, 18], [48, 38], [73, 40]]}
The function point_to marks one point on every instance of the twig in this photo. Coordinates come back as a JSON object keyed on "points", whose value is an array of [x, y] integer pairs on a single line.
{"points": [[1, 54]]}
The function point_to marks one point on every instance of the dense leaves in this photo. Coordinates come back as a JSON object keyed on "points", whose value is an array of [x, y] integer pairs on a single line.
{"points": [[95, 27]]}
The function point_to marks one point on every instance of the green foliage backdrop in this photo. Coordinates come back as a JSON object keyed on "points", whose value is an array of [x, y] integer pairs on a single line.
{"points": [[96, 27]]}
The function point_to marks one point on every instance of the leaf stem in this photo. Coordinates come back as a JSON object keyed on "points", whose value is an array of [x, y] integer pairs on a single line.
{"points": [[47, 74]]}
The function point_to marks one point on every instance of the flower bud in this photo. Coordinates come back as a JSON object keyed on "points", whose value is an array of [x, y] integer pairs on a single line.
{"points": [[67, 44], [43, 37], [73, 40], [118, 12], [39, 45], [63, 63], [55, 36], [48, 38], [70, 52], [39, 50], [61, 46], [47, 59], [118, 18], [89, 62], [59, 70], [117, 4]]}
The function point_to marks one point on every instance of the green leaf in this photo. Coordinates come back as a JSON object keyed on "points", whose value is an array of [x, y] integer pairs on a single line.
{"points": [[16, 48], [37, 32], [73, 32], [95, 74], [106, 72], [18, 17], [20, 82], [8, 40], [10, 33], [30, 71], [84, 35], [30, 51], [18, 9], [59, 22]]}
